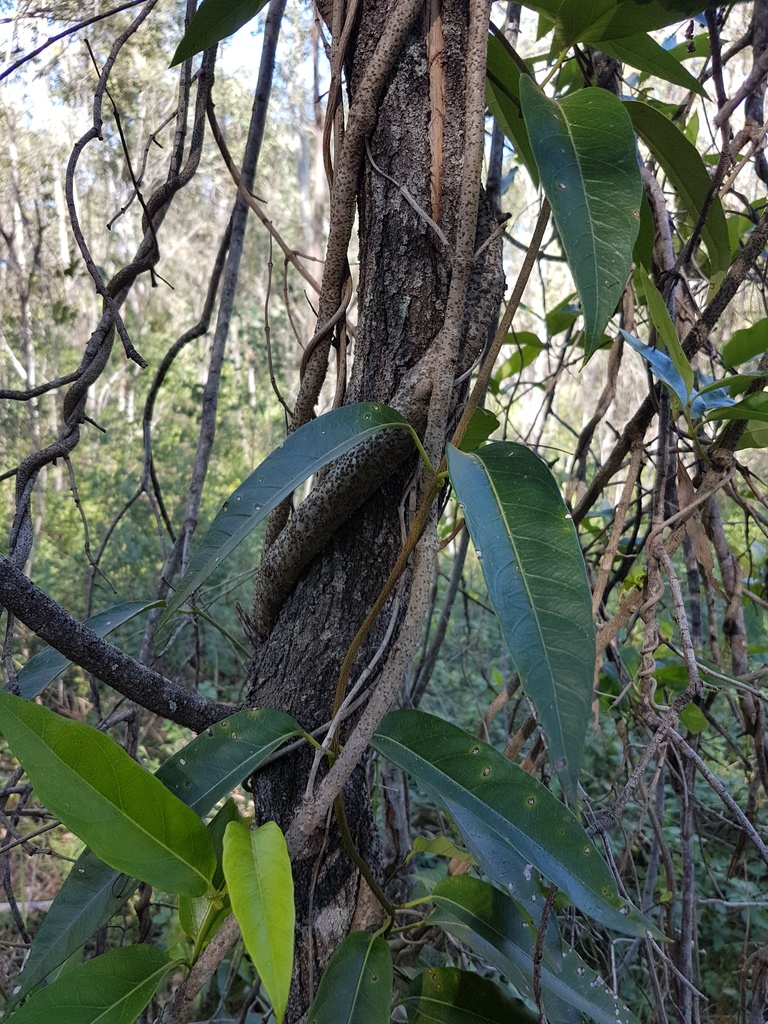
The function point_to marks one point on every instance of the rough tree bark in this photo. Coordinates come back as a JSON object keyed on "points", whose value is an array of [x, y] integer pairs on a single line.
{"points": [[405, 271]]}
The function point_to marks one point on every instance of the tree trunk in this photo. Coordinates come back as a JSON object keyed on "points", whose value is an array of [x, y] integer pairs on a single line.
{"points": [[405, 271]]}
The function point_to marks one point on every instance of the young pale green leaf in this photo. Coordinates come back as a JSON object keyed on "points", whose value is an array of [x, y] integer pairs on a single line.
{"points": [[301, 454], [213, 21], [110, 989], [441, 846], [200, 775], [746, 343], [445, 995], [686, 171], [585, 151], [41, 670], [124, 814], [693, 718], [502, 91], [492, 925], [511, 807], [258, 873], [537, 582], [644, 53], [201, 916], [665, 328], [356, 986]]}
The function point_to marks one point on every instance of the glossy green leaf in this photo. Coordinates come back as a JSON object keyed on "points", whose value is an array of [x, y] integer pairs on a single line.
{"points": [[124, 814], [200, 774], [491, 924], [481, 426], [510, 806], [110, 989], [746, 344], [445, 995], [260, 885], [213, 21], [688, 175], [41, 670], [598, 20], [585, 151], [537, 582], [502, 91], [665, 328], [356, 986], [644, 53], [301, 454]]}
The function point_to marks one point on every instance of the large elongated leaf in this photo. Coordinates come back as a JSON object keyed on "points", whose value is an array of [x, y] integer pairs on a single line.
{"points": [[356, 986], [200, 775], [260, 885], [126, 816], [491, 924], [213, 21], [301, 454], [686, 171], [110, 989], [585, 152], [39, 671], [510, 806], [644, 53], [537, 582], [445, 995], [502, 89]]}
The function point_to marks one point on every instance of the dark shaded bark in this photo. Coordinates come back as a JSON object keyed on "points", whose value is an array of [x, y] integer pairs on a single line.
{"points": [[405, 272]]}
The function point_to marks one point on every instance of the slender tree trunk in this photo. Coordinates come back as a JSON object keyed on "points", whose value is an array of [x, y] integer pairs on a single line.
{"points": [[405, 270]]}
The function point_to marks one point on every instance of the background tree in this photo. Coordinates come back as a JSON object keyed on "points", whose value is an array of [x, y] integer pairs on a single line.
{"points": [[351, 592]]}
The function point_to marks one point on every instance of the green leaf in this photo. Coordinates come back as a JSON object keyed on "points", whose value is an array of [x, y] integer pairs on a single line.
{"points": [[445, 995], [630, 16], [441, 846], [644, 53], [537, 582], [41, 670], [665, 328], [110, 989], [356, 986], [753, 407], [755, 436], [688, 175], [302, 453], [510, 806], [201, 916], [481, 426], [492, 925], [213, 21], [562, 316], [502, 92], [200, 774], [693, 718], [585, 152], [260, 884], [124, 814], [746, 343]]}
